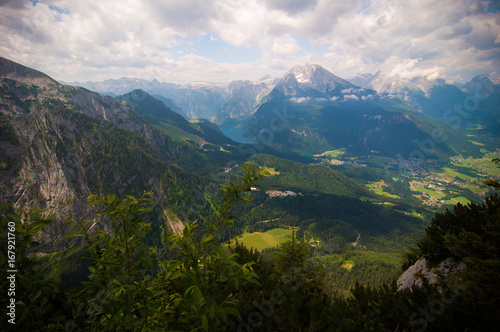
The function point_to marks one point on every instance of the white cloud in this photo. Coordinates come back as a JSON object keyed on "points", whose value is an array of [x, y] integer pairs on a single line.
{"points": [[279, 46], [83, 40], [350, 90], [300, 99], [353, 97]]}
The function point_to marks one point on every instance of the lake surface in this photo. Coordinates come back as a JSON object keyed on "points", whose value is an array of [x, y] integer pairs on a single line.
{"points": [[236, 134]]}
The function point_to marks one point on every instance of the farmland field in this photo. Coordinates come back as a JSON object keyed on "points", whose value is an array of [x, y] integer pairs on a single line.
{"points": [[430, 192], [272, 238], [332, 154], [453, 173], [378, 188], [456, 200], [335, 153]]}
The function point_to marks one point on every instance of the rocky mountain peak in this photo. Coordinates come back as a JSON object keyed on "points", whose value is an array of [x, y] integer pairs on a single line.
{"points": [[15, 71], [265, 78], [315, 74], [312, 79], [304, 74]]}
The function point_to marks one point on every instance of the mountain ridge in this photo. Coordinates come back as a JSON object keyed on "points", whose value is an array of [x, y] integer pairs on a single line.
{"points": [[326, 113], [228, 104], [59, 143]]}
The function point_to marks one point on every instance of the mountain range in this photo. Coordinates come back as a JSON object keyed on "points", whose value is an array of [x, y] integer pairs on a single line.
{"points": [[60, 143], [221, 102], [216, 102], [440, 99], [325, 112], [388, 115]]}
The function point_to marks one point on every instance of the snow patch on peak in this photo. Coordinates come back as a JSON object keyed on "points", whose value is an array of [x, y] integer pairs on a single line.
{"points": [[303, 74], [301, 78]]}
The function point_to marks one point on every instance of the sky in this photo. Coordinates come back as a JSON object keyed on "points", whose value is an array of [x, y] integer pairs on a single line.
{"points": [[182, 41]]}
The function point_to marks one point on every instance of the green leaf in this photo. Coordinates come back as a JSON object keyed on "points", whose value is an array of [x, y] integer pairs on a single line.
{"points": [[19, 228], [246, 199], [110, 198], [148, 262], [197, 296], [132, 198], [204, 322], [207, 238], [177, 301], [235, 283], [77, 233], [176, 275], [221, 314], [232, 311], [212, 308], [71, 251]]}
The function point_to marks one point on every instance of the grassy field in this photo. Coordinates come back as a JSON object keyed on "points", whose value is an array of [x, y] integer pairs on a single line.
{"points": [[348, 264], [483, 165], [456, 200], [177, 133], [430, 192], [270, 239], [377, 187], [271, 171], [336, 153], [449, 171]]}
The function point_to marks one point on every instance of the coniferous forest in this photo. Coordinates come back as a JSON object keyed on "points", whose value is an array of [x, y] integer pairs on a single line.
{"points": [[126, 278]]}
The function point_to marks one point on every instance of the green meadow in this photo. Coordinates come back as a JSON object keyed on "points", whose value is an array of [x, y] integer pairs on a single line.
{"points": [[270, 239]]}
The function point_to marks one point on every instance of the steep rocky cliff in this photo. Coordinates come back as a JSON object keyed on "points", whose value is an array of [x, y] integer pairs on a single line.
{"points": [[60, 143]]}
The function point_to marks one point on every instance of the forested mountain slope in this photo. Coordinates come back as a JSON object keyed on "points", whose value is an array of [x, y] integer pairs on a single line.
{"points": [[60, 143]]}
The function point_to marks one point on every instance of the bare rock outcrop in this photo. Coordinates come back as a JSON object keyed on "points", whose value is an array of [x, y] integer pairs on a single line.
{"points": [[421, 270]]}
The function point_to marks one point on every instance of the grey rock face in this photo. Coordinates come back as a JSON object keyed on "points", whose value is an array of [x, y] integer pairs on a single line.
{"points": [[48, 135], [419, 271]]}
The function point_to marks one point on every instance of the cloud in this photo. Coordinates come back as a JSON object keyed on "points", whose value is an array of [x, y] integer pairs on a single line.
{"points": [[350, 90], [419, 37], [82, 40], [13, 3], [292, 7], [352, 97], [278, 46], [300, 99]]}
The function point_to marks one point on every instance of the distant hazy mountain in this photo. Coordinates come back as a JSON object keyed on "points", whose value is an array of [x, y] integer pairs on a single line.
{"points": [[442, 100], [311, 110], [170, 104], [242, 98], [216, 102], [171, 123]]}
